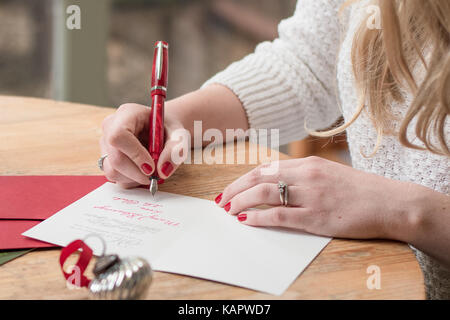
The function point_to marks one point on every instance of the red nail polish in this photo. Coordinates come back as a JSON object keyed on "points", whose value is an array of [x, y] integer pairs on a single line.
{"points": [[160, 181], [227, 207], [147, 168], [242, 217], [218, 198], [167, 168]]}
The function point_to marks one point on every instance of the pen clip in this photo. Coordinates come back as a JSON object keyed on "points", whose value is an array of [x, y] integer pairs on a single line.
{"points": [[159, 59]]}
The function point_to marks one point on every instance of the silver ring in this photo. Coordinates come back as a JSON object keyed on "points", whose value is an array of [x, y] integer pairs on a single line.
{"points": [[100, 161], [283, 188]]}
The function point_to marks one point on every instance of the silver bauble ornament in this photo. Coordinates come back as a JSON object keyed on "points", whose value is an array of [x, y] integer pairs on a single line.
{"points": [[120, 279]]}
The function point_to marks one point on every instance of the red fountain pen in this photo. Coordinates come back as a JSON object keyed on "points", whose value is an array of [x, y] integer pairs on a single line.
{"points": [[158, 92]]}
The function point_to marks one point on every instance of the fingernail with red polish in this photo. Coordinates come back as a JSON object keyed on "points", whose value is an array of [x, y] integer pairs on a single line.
{"points": [[227, 207], [160, 181], [218, 198], [167, 168], [147, 168], [242, 217]]}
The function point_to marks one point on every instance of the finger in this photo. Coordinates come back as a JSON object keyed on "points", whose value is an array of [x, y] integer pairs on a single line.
{"points": [[266, 173], [111, 173], [174, 153], [121, 138], [275, 217], [263, 194], [126, 167], [255, 177]]}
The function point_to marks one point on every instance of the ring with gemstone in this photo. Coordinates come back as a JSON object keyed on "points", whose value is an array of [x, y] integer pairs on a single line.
{"points": [[283, 188]]}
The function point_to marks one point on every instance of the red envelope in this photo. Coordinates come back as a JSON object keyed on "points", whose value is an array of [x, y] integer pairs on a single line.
{"points": [[11, 235], [26, 200], [39, 197]]}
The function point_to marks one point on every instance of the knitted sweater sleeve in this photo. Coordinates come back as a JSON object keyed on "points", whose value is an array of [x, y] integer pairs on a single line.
{"points": [[291, 80]]}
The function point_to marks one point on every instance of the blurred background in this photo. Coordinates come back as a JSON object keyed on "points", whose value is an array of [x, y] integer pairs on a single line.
{"points": [[108, 61]]}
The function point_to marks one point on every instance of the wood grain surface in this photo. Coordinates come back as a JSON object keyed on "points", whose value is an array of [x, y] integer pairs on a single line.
{"points": [[45, 137]]}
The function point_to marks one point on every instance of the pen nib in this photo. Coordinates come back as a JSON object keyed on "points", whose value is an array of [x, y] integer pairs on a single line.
{"points": [[153, 186]]}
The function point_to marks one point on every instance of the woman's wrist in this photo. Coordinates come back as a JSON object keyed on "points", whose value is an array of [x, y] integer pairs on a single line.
{"points": [[400, 215], [428, 221], [416, 213]]}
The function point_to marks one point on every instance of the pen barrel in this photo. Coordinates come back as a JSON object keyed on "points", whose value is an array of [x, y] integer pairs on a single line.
{"points": [[160, 69], [156, 127]]}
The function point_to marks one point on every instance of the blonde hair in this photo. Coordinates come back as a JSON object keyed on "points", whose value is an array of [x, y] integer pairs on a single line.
{"points": [[383, 60]]}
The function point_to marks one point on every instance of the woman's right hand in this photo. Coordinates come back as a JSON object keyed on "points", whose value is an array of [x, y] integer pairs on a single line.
{"points": [[125, 141], [125, 133]]}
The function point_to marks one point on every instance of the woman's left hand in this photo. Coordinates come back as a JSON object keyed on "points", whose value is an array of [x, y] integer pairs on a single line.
{"points": [[325, 198]]}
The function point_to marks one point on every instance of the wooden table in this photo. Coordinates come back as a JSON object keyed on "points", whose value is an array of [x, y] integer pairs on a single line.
{"points": [[52, 138]]}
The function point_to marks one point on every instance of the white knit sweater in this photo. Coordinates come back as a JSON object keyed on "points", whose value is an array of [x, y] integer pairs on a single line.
{"points": [[295, 78]]}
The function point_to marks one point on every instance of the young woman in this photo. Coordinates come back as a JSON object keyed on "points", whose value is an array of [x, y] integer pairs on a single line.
{"points": [[391, 83]]}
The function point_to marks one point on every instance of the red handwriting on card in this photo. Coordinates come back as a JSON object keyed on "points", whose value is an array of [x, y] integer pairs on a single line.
{"points": [[151, 210], [153, 205], [126, 201], [158, 218], [139, 216]]}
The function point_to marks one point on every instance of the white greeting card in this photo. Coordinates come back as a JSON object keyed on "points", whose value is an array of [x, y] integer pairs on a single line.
{"points": [[184, 235]]}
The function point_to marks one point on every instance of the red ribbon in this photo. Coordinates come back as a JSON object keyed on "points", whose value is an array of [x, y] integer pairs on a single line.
{"points": [[77, 276]]}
